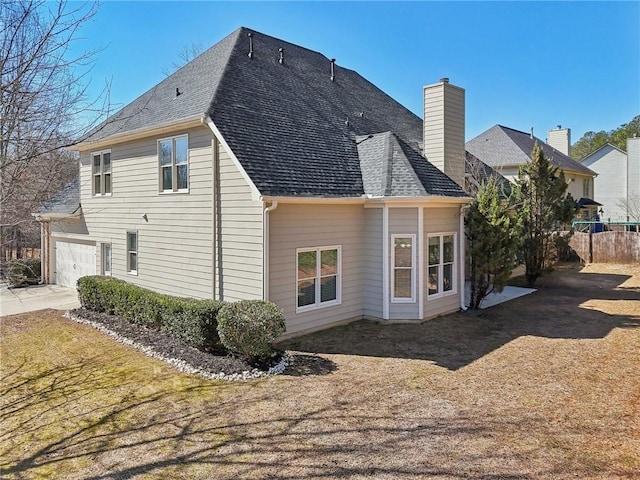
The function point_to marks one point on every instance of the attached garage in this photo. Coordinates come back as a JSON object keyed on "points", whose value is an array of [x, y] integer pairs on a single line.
{"points": [[72, 261]]}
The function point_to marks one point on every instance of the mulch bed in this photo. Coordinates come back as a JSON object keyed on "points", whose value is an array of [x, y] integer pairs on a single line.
{"points": [[170, 347]]}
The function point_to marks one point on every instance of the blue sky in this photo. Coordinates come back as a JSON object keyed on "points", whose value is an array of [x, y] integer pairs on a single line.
{"points": [[523, 64]]}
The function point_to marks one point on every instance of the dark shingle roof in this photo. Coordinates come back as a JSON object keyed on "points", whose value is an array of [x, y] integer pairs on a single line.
{"points": [[65, 202], [290, 126], [391, 167], [505, 147]]}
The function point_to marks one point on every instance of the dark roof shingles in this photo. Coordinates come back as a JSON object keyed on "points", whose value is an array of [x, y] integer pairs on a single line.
{"points": [[502, 146], [65, 202], [292, 129]]}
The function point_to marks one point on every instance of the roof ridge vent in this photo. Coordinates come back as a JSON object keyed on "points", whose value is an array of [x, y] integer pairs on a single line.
{"points": [[250, 35], [281, 51], [333, 65]]}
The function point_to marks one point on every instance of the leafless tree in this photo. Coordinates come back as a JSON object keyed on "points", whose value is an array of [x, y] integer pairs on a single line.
{"points": [[45, 104], [631, 206], [188, 53]]}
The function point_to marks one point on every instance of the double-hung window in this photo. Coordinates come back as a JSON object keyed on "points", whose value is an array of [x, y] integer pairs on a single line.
{"points": [[132, 253], [101, 168], [173, 156], [586, 188], [441, 278], [404, 284], [318, 277]]}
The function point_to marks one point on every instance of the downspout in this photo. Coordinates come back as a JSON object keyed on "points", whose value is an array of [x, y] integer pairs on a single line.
{"points": [[385, 262], [265, 244], [421, 262], [463, 258], [214, 216]]}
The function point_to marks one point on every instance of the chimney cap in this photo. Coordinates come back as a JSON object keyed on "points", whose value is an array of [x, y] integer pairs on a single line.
{"points": [[444, 80]]}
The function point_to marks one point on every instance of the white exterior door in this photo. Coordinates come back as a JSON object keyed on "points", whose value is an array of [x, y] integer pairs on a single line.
{"points": [[74, 260]]}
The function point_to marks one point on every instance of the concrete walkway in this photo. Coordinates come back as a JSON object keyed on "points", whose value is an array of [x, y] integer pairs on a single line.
{"points": [[37, 297]]}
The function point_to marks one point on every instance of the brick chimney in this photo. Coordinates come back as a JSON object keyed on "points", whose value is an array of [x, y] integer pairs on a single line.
{"points": [[443, 139], [560, 139]]}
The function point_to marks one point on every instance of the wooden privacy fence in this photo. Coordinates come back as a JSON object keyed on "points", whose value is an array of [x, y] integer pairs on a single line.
{"points": [[607, 247]]}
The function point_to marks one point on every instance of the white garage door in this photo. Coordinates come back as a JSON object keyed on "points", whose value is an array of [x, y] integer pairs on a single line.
{"points": [[74, 260]]}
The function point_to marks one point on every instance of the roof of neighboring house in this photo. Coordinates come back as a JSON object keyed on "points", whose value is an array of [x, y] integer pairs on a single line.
{"points": [[502, 146], [477, 172], [610, 146], [587, 202], [290, 126], [390, 167], [65, 202]]}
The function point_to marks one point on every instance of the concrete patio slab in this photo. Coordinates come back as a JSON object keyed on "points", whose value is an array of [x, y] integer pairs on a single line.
{"points": [[509, 293], [28, 299]]}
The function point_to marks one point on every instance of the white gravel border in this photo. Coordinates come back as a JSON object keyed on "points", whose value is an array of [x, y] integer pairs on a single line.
{"points": [[182, 365]]}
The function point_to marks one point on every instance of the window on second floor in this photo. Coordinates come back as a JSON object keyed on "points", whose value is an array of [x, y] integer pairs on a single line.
{"points": [[173, 156], [101, 169], [586, 188]]}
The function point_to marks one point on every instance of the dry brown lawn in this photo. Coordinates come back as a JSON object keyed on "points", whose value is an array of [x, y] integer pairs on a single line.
{"points": [[545, 386]]}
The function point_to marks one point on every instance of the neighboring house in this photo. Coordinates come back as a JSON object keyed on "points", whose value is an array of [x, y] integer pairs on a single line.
{"points": [[263, 170], [506, 149], [617, 186]]}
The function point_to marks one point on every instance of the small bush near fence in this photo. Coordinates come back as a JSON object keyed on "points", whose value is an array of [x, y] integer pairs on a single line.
{"points": [[191, 320], [22, 272], [249, 327]]}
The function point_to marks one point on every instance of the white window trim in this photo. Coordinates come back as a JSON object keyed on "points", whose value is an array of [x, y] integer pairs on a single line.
{"points": [[102, 174], [129, 271], [174, 166], [454, 275], [106, 272], [318, 305], [395, 299]]}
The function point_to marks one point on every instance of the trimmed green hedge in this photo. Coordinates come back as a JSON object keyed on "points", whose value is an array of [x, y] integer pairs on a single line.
{"points": [[191, 320], [249, 327]]}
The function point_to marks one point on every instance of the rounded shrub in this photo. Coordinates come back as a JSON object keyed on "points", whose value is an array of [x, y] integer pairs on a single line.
{"points": [[249, 327]]}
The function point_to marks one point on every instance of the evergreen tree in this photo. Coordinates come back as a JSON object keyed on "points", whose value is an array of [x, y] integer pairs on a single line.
{"points": [[493, 243], [542, 204]]}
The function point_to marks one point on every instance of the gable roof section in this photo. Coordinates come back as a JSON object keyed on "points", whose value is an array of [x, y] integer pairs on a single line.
{"points": [[196, 81], [502, 146], [290, 126], [65, 203], [606, 146], [391, 167]]}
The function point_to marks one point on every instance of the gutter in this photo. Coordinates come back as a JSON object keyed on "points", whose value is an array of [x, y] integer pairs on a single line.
{"points": [[265, 246]]}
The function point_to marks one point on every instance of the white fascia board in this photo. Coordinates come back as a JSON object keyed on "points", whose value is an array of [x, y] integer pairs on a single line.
{"points": [[154, 130], [418, 201], [255, 193], [371, 202], [314, 200]]}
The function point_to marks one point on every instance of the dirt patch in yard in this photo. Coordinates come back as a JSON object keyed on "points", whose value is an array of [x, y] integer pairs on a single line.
{"points": [[545, 386]]}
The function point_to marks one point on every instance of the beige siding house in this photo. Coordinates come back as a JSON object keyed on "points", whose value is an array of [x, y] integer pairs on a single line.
{"points": [[505, 150], [248, 176]]}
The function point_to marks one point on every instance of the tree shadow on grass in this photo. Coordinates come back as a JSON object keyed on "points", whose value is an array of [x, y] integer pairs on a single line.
{"points": [[564, 306], [164, 436]]}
